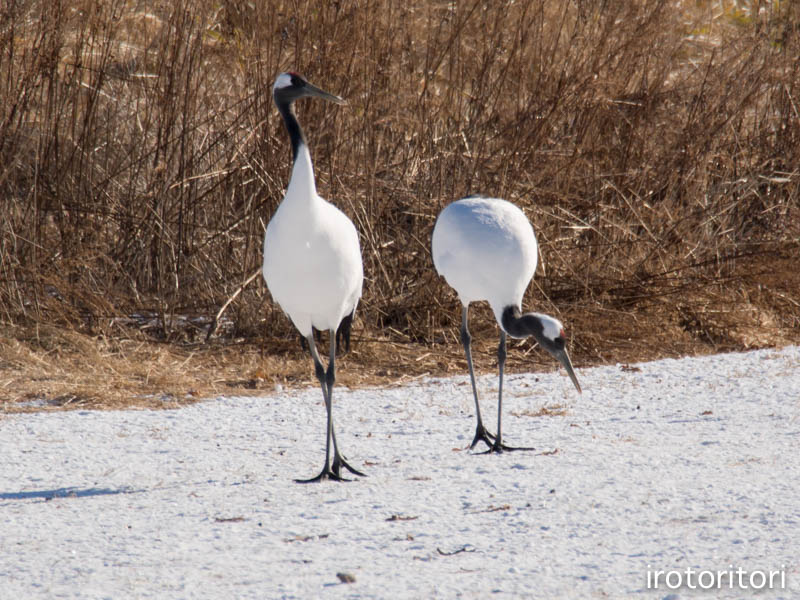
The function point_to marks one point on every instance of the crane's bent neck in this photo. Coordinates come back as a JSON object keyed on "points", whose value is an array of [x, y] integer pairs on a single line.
{"points": [[301, 183], [520, 325]]}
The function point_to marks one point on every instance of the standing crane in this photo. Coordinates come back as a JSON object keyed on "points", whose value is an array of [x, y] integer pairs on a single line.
{"points": [[312, 259], [485, 249]]}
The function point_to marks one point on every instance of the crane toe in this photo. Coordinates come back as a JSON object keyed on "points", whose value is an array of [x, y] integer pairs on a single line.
{"points": [[482, 435], [339, 462]]}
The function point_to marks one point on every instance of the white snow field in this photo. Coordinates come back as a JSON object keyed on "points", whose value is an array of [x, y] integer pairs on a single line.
{"points": [[679, 466]]}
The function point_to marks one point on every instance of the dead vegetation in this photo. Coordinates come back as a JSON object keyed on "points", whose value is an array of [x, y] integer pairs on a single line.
{"points": [[655, 145]]}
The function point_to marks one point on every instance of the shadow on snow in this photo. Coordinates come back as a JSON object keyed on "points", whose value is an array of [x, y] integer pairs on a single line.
{"points": [[65, 492]]}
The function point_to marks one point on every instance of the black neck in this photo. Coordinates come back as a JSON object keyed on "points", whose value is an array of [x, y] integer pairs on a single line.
{"points": [[286, 109], [521, 326]]}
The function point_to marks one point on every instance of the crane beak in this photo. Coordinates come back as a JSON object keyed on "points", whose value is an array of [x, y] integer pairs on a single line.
{"points": [[562, 357], [312, 90]]}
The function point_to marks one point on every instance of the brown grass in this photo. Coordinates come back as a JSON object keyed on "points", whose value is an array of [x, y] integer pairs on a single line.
{"points": [[655, 146]]}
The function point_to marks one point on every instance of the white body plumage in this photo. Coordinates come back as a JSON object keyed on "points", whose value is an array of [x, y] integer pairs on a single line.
{"points": [[312, 259], [485, 249]]}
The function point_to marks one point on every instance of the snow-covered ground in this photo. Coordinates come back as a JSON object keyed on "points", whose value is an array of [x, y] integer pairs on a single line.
{"points": [[663, 466]]}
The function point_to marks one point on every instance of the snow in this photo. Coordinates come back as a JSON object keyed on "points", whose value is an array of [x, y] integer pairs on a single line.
{"points": [[667, 465]]}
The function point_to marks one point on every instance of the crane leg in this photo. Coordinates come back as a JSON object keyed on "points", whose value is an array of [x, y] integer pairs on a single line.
{"points": [[323, 377], [498, 445], [338, 459], [481, 434]]}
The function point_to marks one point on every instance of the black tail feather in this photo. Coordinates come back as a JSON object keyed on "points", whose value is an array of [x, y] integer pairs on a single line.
{"points": [[342, 335]]}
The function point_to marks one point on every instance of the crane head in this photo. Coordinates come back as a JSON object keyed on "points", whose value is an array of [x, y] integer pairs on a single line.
{"points": [[290, 86], [548, 331], [552, 339]]}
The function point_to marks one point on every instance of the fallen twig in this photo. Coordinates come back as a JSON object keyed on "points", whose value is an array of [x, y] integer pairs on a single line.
{"points": [[467, 548], [306, 538], [213, 327], [491, 509]]}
